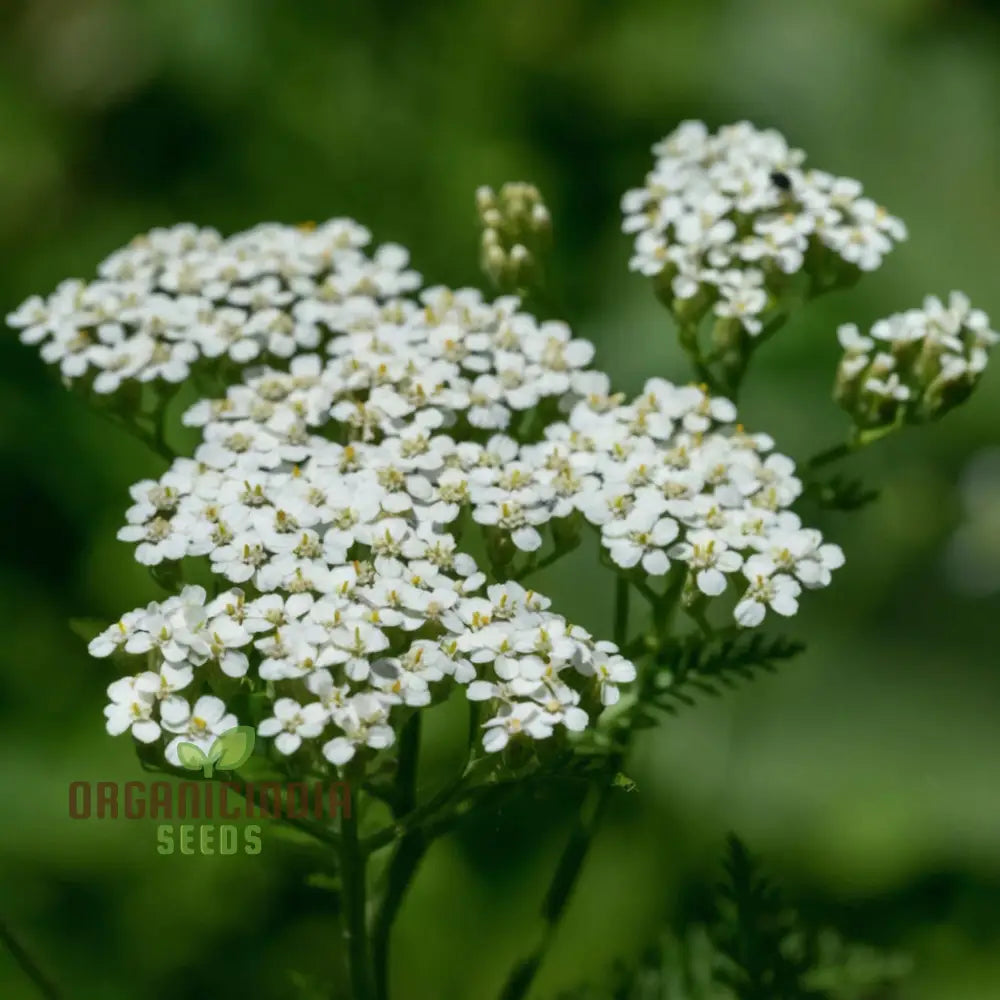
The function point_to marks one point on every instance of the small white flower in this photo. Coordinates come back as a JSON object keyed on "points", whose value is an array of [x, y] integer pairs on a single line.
{"points": [[199, 724], [363, 722], [131, 709], [523, 718], [710, 559], [640, 537], [292, 723], [610, 670], [779, 592]]}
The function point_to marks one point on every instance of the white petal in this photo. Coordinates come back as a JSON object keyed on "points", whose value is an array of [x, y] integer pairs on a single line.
{"points": [[480, 691], [711, 582], [146, 732], [287, 743], [749, 614], [119, 720], [656, 563], [495, 739], [527, 539], [785, 604], [269, 727], [338, 751]]}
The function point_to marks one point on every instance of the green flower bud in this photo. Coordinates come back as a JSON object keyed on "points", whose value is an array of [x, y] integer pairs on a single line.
{"points": [[928, 362], [516, 223]]}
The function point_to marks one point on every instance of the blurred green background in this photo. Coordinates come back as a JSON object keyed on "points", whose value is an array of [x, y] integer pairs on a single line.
{"points": [[867, 772]]}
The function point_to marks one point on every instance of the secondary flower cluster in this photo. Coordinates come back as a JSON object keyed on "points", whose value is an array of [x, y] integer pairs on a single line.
{"points": [[915, 365], [383, 635], [724, 218], [176, 295]]}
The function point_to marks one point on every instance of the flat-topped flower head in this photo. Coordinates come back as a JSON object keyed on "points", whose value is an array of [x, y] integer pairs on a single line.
{"points": [[175, 296], [333, 486], [724, 219]]}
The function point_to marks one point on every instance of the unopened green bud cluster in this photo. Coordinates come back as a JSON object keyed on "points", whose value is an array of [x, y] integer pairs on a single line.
{"points": [[516, 233]]}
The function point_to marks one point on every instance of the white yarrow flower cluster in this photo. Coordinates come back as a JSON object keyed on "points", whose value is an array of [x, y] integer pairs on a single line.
{"points": [[915, 365], [174, 296], [331, 497], [725, 218]]}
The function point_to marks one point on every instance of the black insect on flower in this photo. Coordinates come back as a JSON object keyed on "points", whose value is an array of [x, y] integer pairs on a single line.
{"points": [[781, 180]]}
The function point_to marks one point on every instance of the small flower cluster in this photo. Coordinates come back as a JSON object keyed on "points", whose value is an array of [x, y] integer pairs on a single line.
{"points": [[915, 365], [383, 635], [725, 218], [176, 295]]}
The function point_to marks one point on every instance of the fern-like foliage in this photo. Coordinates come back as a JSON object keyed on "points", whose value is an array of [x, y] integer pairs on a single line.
{"points": [[764, 953], [693, 666], [677, 967], [756, 948]]}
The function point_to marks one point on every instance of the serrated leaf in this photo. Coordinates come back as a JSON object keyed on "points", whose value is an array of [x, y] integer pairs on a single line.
{"points": [[695, 666], [191, 756], [233, 747]]}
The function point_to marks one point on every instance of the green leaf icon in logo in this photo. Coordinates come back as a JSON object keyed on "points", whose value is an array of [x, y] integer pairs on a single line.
{"points": [[234, 747], [230, 750], [192, 757]]}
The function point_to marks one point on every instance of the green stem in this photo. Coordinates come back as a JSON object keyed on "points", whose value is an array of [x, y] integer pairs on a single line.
{"points": [[833, 454], [158, 417], [404, 863], [27, 964], [736, 371], [859, 439], [450, 795], [416, 833], [318, 830], [406, 772], [620, 631], [407, 856], [571, 861], [688, 336], [537, 567], [567, 875], [152, 439], [352, 874]]}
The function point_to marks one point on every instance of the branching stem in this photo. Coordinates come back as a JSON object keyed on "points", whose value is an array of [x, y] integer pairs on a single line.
{"points": [[406, 857], [571, 861], [353, 880]]}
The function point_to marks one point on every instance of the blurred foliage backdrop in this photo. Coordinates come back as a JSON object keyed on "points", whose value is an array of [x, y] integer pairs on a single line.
{"points": [[867, 773]]}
